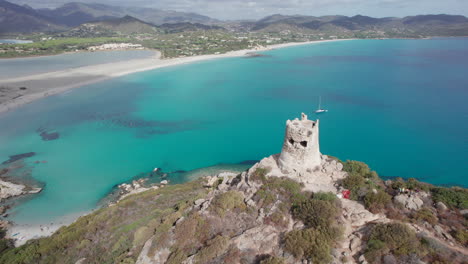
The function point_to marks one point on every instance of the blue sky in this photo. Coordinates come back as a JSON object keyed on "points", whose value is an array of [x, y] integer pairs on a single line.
{"points": [[254, 9]]}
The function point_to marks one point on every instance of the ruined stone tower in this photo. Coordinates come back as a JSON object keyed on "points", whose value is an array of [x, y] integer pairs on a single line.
{"points": [[301, 146]]}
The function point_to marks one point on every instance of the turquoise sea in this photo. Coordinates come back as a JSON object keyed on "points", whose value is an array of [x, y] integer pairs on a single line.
{"points": [[398, 105]]}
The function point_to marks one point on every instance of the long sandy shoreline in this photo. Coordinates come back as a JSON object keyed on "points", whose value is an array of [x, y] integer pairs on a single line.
{"points": [[52, 83]]}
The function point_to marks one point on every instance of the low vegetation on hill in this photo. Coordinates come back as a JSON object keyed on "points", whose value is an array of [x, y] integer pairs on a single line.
{"points": [[439, 210], [271, 220], [115, 234]]}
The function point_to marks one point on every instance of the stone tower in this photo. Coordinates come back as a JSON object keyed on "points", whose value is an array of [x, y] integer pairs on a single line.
{"points": [[301, 150]]}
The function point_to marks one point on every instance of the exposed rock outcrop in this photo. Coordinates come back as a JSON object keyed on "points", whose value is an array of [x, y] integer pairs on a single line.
{"points": [[134, 187], [411, 202], [9, 190]]}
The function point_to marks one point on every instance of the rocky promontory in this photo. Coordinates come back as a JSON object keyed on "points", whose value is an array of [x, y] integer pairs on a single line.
{"points": [[298, 206]]}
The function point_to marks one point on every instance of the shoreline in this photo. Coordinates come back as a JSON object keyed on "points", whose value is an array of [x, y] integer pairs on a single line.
{"points": [[22, 233], [52, 83]]}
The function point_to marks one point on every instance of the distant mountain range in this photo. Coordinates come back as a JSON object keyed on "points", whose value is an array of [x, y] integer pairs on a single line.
{"points": [[442, 25], [15, 18], [24, 19], [124, 25]]}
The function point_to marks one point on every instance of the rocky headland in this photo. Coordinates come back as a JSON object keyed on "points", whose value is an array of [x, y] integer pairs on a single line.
{"points": [[298, 206]]}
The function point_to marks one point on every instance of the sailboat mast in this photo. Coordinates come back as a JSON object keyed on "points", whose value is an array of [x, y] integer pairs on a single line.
{"points": [[320, 102]]}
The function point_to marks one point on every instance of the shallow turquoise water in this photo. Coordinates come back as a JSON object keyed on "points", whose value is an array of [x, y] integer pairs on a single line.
{"points": [[398, 105], [14, 41]]}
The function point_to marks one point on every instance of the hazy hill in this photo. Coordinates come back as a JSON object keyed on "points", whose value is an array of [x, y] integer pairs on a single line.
{"points": [[124, 25], [427, 25], [74, 14], [186, 26], [16, 18]]}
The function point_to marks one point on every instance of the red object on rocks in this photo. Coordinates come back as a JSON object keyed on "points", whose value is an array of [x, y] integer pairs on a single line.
{"points": [[346, 194]]}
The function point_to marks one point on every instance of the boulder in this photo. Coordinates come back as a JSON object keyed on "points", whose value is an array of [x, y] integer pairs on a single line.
{"points": [[81, 261], [362, 259], [464, 212], [3, 209], [389, 259], [199, 202], [411, 202], [210, 181], [441, 206], [165, 182], [441, 232], [354, 243]]}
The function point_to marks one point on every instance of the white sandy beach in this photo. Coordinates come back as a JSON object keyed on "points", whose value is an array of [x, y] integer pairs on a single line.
{"points": [[51, 83], [21, 233]]}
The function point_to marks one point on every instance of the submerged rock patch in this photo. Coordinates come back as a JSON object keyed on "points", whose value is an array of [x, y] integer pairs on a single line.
{"points": [[18, 157], [46, 136]]}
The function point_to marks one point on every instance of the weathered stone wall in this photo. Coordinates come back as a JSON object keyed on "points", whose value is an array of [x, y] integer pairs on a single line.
{"points": [[301, 149]]}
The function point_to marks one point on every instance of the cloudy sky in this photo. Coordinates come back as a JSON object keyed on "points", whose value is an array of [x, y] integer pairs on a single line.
{"points": [[254, 9]]}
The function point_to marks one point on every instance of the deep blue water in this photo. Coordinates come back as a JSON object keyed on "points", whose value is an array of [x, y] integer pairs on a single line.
{"points": [[398, 105]]}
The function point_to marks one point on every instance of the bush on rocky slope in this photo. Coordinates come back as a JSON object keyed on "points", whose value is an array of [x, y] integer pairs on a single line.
{"points": [[452, 197], [394, 238], [319, 215]]}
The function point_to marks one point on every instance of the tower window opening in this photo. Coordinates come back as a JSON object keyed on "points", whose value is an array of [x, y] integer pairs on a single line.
{"points": [[291, 141], [304, 143]]}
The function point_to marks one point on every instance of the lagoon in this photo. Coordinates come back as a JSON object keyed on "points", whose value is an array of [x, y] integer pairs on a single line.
{"points": [[18, 67]]}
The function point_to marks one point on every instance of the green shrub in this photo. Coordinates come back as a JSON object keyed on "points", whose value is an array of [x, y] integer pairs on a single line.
{"points": [[461, 235], [284, 186], [283, 189], [411, 183], [259, 175], [324, 196], [452, 197], [272, 260], [315, 213], [353, 167], [398, 183], [214, 249], [425, 214], [392, 238], [228, 201], [308, 244], [191, 233], [414, 184], [277, 219], [266, 197], [376, 202], [353, 182], [176, 257]]}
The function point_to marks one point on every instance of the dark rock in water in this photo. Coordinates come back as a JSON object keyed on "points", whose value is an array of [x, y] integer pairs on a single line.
{"points": [[178, 171], [4, 171], [255, 55], [18, 157], [49, 136], [46, 136], [248, 162]]}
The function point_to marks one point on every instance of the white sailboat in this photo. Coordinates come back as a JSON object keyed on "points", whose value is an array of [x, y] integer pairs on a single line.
{"points": [[320, 110]]}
